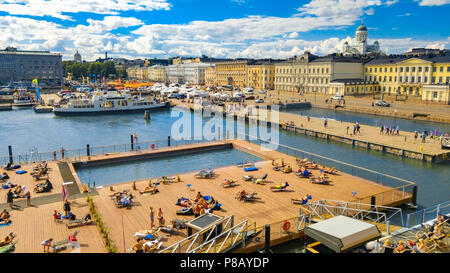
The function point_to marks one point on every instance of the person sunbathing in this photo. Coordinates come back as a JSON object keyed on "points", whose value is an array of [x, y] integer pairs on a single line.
{"points": [[8, 239], [303, 161], [242, 194], [150, 249], [4, 176], [185, 202], [420, 247], [198, 197], [150, 190], [401, 247], [228, 181], [287, 169], [305, 198], [4, 216], [56, 216]]}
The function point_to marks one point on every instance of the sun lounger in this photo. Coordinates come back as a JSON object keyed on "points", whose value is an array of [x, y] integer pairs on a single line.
{"points": [[279, 187], [3, 243], [315, 180], [8, 248], [185, 211], [86, 220], [229, 183], [298, 201], [151, 191], [247, 197], [244, 165], [60, 245], [204, 174]]}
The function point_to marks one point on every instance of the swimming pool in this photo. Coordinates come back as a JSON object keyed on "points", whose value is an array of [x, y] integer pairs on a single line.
{"points": [[114, 173]]}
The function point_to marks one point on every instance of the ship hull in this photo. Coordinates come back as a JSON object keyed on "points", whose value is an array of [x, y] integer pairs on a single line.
{"points": [[64, 112]]}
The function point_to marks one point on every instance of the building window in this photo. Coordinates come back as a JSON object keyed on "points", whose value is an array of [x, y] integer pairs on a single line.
{"points": [[406, 79], [434, 69], [370, 70], [448, 68], [447, 80], [419, 79], [435, 94], [426, 69], [401, 70], [420, 69], [367, 70], [433, 79], [390, 78], [412, 79], [413, 69], [375, 70], [407, 69], [385, 69], [400, 78], [441, 69], [385, 78], [390, 70], [425, 79], [440, 79]]}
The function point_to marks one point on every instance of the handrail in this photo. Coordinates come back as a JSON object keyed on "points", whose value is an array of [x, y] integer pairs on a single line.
{"points": [[427, 214], [193, 238]]}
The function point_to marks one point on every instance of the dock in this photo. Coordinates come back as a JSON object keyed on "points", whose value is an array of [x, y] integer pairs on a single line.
{"points": [[34, 224], [403, 145]]}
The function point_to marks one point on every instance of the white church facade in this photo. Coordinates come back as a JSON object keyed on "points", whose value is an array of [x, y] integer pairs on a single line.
{"points": [[359, 45]]}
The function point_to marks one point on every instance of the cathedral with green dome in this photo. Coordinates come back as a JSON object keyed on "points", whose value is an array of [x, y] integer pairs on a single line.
{"points": [[359, 45]]}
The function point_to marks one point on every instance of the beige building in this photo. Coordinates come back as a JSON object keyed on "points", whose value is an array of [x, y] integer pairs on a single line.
{"points": [[261, 76], [232, 73], [309, 73], [210, 76], [157, 73]]}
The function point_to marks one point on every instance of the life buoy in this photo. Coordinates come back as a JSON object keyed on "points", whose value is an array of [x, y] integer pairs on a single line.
{"points": [[286, 225], [152, 146]]}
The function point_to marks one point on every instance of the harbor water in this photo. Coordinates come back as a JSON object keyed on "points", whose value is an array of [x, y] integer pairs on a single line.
{"points": [[23, 130]]}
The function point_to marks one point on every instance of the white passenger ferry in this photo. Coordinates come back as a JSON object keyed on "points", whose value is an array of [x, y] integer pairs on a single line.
{"points": [[108, 102]]}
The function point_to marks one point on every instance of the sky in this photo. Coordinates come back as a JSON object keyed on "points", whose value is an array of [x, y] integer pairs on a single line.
{"points": [[219, 28]]}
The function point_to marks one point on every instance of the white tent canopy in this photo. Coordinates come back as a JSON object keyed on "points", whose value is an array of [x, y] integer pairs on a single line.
{"points": [[342, 233]]}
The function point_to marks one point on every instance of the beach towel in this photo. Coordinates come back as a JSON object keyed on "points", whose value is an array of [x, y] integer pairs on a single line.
{"points": [[250, 169], [15, 167], [21, 172], [5, 225], [206, 197]]}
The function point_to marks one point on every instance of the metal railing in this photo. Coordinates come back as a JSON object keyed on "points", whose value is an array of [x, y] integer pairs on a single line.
{"points": [[191, 242], [77, 154], [324, 209], [427, 214], [225, 241]]}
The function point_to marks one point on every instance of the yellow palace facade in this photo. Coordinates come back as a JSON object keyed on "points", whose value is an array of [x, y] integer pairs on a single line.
{"points": [[425, 76]]}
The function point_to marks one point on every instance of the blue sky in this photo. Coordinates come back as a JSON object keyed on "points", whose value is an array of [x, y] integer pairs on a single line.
{"points": [[219, 28]]}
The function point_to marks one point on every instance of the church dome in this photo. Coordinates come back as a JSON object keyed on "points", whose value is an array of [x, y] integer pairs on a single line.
{"points": [[361, 28]]}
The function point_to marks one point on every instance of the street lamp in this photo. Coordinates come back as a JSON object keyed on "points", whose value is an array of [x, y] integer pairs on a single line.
{"points": [[395, 117]]}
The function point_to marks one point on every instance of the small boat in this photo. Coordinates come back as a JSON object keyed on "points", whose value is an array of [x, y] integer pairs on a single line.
{"points": [[42, 109]]}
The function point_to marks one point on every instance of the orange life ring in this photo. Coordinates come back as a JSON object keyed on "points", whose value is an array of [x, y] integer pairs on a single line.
{"points": [[286, 225]]}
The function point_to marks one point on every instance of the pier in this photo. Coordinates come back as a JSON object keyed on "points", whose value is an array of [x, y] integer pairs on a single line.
{"points": [[403, 145], [123, 223]]}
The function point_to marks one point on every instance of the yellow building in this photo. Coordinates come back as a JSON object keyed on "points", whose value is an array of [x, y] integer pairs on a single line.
{"points": [[157, 73], [352, 87], [310, 73], [233, 73], [425, 76], [210, 76], [261, 76]]}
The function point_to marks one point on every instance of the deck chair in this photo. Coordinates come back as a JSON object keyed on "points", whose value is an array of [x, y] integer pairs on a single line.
{"points": [[60, 245], [229, 183], [279, 187], [86, 220]]}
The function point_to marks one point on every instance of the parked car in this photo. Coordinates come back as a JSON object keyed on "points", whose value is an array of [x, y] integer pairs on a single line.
{"points": [[173, 96], [337, 97], [262, 91], [220, 103], [382, 103], [250, 98], [259, 101]]}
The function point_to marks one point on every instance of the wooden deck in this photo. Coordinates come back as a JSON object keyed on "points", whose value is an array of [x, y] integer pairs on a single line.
{"points": [[35, 224]]}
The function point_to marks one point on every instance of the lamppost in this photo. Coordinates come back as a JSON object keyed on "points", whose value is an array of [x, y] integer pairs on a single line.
{"points": [[395, 117]]}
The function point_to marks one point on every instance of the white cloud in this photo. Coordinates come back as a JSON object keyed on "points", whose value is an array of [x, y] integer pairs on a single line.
{"points": [[57, 8], [434, 2]]}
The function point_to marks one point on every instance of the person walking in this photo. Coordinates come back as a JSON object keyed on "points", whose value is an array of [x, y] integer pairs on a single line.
{"points": [[325, 122], [28, 196], [54, 155], [416, 134], [358, 128], [160, 217], [9, 198], [382, 129], [397, 130], [67, 208], [152, 217]]}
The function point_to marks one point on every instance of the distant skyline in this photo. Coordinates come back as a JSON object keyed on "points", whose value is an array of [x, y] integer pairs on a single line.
{"points": [[220, 28]]}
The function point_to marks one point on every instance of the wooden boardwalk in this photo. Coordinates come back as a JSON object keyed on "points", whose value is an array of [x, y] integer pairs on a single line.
{"points": [[403, 145]]}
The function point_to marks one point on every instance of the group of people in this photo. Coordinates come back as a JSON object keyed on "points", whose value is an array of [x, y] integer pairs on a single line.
{"points": [[390, 130], [430, 134], [161, 220]]}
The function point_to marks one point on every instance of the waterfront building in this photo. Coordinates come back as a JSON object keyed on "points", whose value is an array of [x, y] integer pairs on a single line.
{"points": [[210, 76], [309, 73], [359, 45], [133, 72], [353, 87], [157, 73], [191, 73], [24, 65], [426, 76], [233, 73], [261, 75]]}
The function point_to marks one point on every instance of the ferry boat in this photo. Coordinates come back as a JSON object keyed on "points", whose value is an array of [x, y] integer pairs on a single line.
{"points": [[108, 102], [23, 98]]}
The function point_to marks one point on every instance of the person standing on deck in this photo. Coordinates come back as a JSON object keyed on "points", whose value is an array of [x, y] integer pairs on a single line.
{"points": [[397, 130], [54, 155], [9, 198], [416, 134], [152, 217], [67, 208], [382, 129], [160, 217], [62, 152]]}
